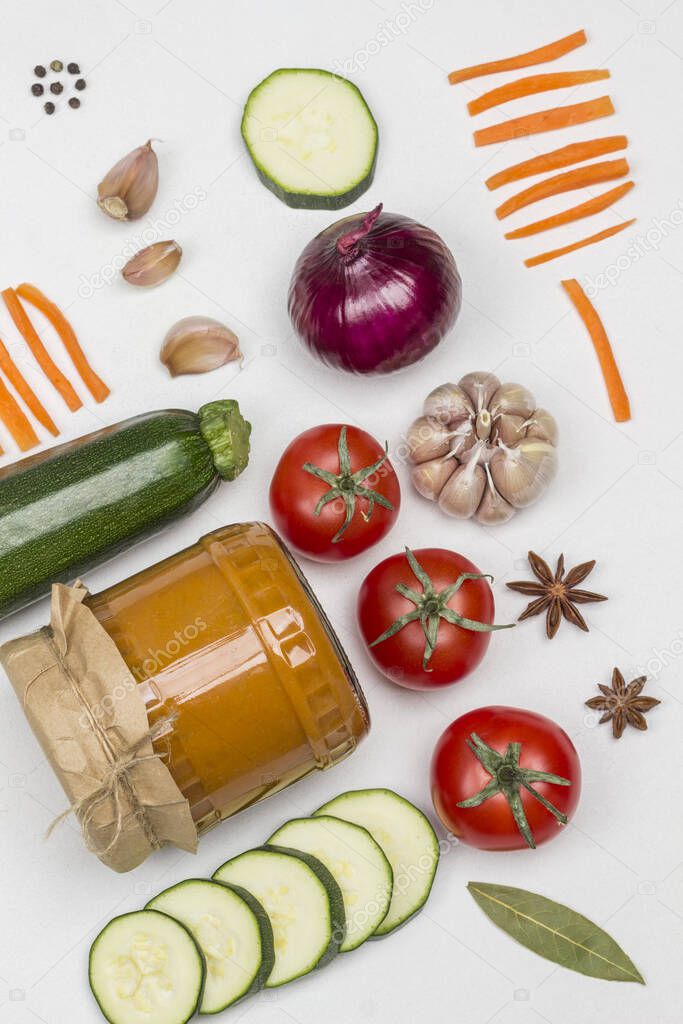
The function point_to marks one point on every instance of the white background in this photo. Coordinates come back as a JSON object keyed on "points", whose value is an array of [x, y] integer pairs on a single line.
{"points": [[181, 72]]}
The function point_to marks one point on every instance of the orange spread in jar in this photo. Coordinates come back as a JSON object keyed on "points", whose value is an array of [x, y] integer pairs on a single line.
{"points": [[228, 642]]}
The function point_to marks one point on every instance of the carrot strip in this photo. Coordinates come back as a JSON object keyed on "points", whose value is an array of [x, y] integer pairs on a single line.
{"points": [[19, 382], [545, 257], [551, 51], [531, 86], [579, 177], [598, 335], [97, 388], [15, 420], [586, 209], [42, 356], [575, 153], [544, 121]]}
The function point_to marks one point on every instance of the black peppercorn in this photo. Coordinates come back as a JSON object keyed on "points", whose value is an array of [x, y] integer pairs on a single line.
{"points": [[73, 69], [80, 84], [49, 108], [37, 89], [74, 102], [56, 65], [39, 71], [56, 88]]}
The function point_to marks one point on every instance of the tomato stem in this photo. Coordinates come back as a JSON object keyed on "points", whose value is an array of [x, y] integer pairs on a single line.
{"points": [[507, 777], [431, 606], [349, 486]]}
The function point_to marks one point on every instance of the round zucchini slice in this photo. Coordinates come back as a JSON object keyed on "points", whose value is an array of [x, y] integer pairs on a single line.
{"points": [[233, 932], [311, 137], [302, 900], [146, 966], [357, 862]]}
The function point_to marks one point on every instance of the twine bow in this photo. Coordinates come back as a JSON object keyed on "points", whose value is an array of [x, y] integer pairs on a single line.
{"points": [[118, 788]]}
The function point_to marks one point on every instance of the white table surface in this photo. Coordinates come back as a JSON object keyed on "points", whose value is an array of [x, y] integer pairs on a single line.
{"points": [[180, 71]]}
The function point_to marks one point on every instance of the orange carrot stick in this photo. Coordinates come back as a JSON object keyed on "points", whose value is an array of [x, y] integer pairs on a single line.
{"points": [[97, 388], [523, 60], [15, 420], [575, 153], [531, 86], [19, 382], [42, 356], [586, 209], [579, 177], [545, 257], [545, 121], [610, 371]]}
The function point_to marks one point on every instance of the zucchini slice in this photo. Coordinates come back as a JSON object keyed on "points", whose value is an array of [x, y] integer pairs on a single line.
{"points": [[145, 966], [357, 862], [233, 932], [311, 137], [301, 898], [408, 840]]}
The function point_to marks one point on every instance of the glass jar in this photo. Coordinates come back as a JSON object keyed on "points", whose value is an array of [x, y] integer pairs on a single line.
{"points": [[228, 642]]}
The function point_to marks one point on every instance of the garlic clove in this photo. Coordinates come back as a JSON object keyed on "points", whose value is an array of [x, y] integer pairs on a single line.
{"points": [[463, 437], [128, 190], [462, 493], [543, 426], [521, 474], [510, 429], [493, 508], [153, 264], [198, 344], [479, 387], [427, 439], [429, 477], [447, 404], [514, 399]]}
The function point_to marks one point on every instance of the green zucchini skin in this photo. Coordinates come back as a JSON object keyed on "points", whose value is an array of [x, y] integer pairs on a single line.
{"points": [[334, 895], [310, 201], [70, 508]]}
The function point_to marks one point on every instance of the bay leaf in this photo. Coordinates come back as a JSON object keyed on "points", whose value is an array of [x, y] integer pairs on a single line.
{"points": [[555, 932]]}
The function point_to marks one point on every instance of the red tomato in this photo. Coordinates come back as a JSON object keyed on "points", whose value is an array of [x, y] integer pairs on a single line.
{"points": [[326, 476], [404, 657], [458, 775]]}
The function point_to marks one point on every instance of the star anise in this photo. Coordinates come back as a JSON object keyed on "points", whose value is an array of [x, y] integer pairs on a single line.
{"points": [[557, 595], [623, 705]]}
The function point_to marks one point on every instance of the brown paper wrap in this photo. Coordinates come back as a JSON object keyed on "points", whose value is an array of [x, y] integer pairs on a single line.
{"points": [[85, 708]]}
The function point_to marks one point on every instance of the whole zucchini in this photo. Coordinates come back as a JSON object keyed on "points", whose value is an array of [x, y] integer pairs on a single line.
{"points": [[70, 508]]}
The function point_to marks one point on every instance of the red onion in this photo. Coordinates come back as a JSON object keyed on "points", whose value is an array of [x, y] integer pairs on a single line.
{"points": [[374, 292]]}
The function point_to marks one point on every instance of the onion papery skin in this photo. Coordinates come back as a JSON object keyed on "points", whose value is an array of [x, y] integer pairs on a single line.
{"points": [[381, 305]]}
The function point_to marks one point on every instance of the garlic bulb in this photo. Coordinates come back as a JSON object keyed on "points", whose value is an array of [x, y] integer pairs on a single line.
{"points": [[198, 344], [129, 189], [482, 449], [153, 264]]}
